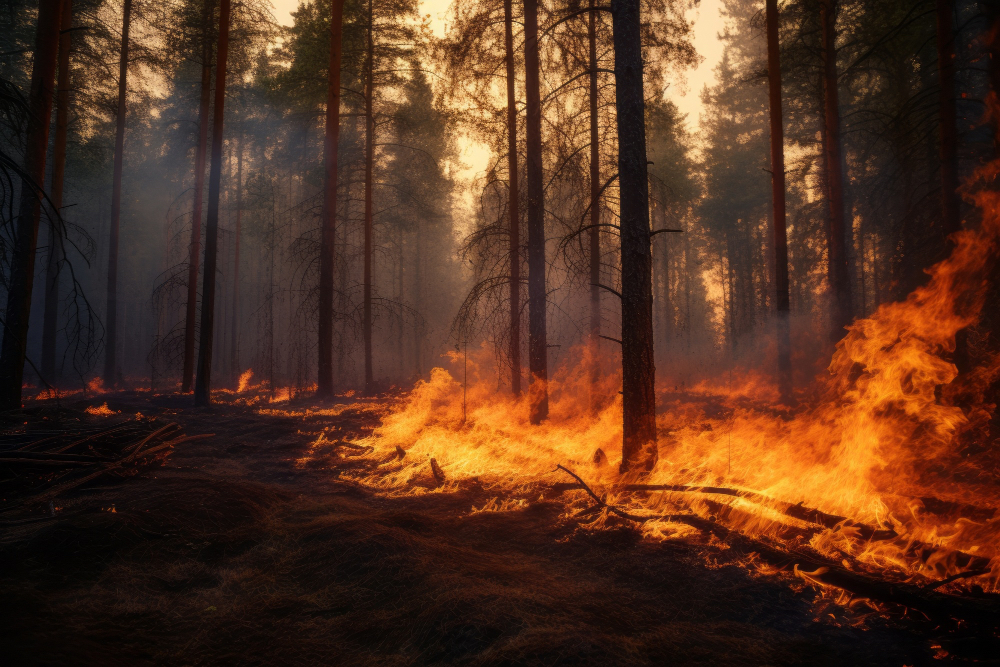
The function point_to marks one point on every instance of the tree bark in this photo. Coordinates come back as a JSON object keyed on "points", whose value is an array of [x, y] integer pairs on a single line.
{"points": [[203, 381], [992, 12], [329, 213], [111, 323], [840, 285], [513, 204], [194, 251], [50, 318], [778, 201], [951, 219], [22, 269], [595, 214], [234, 363], [639, 450], [538, 392], [369, 167]]}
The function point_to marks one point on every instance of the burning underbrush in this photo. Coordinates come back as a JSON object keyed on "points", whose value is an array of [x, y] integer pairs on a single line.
{"points": [[874, 475]]}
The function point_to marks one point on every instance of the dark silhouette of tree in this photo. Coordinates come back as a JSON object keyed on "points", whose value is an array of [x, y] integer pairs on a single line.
{"points": [[203, 382], [22, 267]]}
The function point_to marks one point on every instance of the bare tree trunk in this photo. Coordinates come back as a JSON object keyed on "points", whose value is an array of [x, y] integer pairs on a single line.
{"points": [[194, 250], [639, 450], [513, 204], [111, 323], [369, 160], [22, 269], [327, 250], [537, 346], [947, 124], [50, 318], [840, 285], [778, 201], [234, 362], [595, 214], [203, 381], [992, 13]]}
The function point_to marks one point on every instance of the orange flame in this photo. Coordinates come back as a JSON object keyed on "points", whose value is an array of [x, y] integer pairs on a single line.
{"points": [[872, 448]]}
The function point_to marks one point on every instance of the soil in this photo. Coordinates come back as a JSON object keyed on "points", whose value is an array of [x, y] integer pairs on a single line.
{"points": [[233, 552]]}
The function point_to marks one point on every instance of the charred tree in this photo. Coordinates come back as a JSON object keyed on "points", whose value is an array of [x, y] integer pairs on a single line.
{"points": [[369, 212], [778, 202], [50, 316], [203, 381], [329, 213], [638, 375], [22, 267], [537, 346], [111, 316], [950, 215], [840, 285], [595, 213], [194, 250], [513, 204]]}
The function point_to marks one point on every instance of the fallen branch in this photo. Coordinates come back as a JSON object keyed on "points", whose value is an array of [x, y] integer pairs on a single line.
{"points": [[938, 606]]}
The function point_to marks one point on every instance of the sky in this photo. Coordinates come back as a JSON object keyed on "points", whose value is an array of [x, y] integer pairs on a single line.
{"points": [[685, 93]]}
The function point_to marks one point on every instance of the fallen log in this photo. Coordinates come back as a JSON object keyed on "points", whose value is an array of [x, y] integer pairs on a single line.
{"points": [[936, 606]]}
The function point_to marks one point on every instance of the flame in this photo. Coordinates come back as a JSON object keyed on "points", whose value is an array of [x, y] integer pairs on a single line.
{"points": [[244, 382], [101, 411], [874, 451]]}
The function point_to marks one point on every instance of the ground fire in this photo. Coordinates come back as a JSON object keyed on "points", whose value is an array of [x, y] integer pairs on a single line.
{"points": [[494, 332]]}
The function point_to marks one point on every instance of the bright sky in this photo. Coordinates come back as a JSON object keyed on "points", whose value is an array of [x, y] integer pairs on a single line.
{"points": [[687, 95]]}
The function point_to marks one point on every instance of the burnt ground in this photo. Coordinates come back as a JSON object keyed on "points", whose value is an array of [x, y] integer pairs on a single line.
{"points": [[230, 553]]}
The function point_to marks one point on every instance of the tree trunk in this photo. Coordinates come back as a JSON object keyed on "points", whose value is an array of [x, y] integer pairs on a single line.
{"points": [[947, 125], [840, 285], [111, 323], [513, 205], [595, 214], [194, 255], [234, 362], [537, 346], [992, 12], [638, 395], [22, 269], [369, 160], [778, 201], [329, 213], [50, 315], [203, 382]]}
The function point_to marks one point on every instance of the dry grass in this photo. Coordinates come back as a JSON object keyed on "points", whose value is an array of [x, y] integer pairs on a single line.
{"points": [[231, 554]]}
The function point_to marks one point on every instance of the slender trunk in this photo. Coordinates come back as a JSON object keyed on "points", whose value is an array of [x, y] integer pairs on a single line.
{"points": [[537, 347], [329, 214], [111, 323], [418, 296], [234, 326], [513, 205], [638, 396], [203, 381], [947, 125], [595, 214], [992, 12], [369, 159], [194, 255], [840, 285], [778, 201], [50, 315], [22, 268]]}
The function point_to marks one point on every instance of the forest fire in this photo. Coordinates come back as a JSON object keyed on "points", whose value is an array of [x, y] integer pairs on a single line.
{"points": [[869, 473], [500, 332]]}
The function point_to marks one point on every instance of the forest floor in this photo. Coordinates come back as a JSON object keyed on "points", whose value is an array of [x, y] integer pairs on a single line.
{"points": [[234, 552]]}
